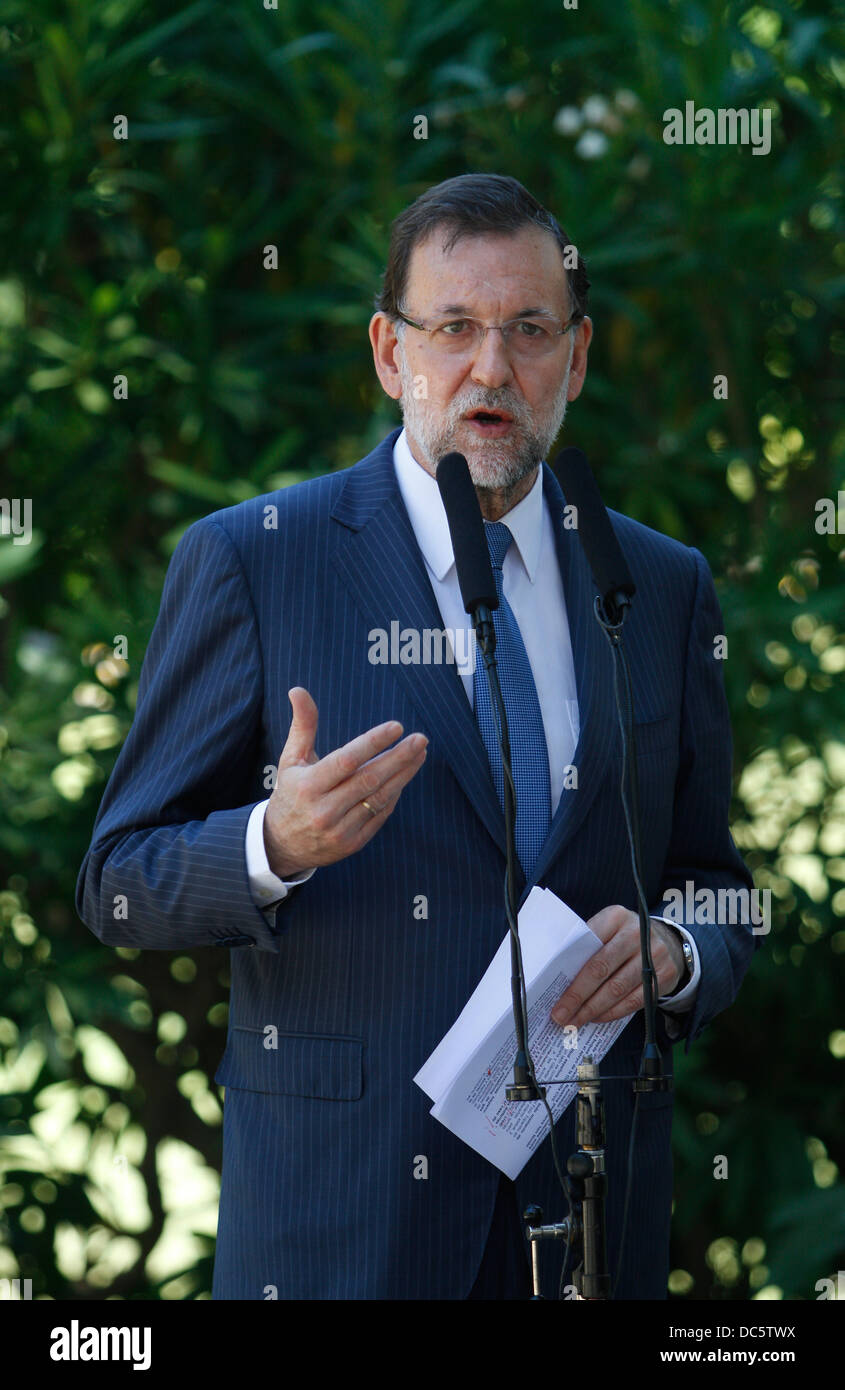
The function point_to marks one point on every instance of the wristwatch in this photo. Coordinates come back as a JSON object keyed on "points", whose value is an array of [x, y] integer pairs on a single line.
{"points": [[689, 965]]}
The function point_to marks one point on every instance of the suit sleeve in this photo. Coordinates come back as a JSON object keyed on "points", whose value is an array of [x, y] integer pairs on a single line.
{"points": [[702, 852], [166, 868]]}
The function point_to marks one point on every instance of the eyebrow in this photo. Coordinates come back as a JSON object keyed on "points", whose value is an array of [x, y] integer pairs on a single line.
{"points": [[522, 314]]}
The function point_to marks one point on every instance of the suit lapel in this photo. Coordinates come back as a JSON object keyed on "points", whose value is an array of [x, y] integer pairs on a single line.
{"points": [[380, 565]]}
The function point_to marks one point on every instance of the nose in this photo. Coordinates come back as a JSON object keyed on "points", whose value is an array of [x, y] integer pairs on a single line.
{"points": [[491, 364]]}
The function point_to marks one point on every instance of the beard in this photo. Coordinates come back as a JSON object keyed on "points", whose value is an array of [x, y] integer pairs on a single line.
{"points": [[495, 465]]}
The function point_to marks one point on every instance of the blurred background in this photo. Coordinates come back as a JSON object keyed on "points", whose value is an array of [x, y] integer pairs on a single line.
{"points": [[158, 361]]}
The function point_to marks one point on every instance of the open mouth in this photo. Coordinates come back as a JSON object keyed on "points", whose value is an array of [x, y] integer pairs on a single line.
{"points": [[490, 422]]}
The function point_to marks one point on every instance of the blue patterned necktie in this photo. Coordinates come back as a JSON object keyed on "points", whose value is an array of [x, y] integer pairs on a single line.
{"points": [[529, 754]]}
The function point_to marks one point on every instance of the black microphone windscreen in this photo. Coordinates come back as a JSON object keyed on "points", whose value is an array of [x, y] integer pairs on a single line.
{"points": [[466, 527], [597, 536]]}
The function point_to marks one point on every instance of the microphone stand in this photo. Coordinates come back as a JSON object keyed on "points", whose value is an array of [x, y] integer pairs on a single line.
{"points": [[587, 1186], [524, 1085], [587, 1167]]}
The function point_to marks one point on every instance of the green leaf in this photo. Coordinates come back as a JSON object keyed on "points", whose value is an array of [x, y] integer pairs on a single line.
{"points": [[151, 41], [18, 560], [184, 479], [299, 48]]}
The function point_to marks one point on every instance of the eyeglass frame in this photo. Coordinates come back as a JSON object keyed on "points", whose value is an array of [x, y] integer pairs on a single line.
{"points": [[577, 317]]}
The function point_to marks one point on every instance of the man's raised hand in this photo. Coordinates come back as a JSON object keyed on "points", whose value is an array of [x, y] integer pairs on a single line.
{"points": [[315, 815]]}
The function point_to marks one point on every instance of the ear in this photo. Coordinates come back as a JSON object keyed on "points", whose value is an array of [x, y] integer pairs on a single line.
{"points": [[385, 354], [578, 371]]}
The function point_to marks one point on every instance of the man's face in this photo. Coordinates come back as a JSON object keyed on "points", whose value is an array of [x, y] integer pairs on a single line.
{"points": [[491, 278]]}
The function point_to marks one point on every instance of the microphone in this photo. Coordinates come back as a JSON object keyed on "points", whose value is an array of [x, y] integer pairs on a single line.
{"points": [[466, 527], [598, 538]]}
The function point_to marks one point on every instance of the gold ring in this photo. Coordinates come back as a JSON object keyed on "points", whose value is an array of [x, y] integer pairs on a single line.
{"points": [[370, 808]]}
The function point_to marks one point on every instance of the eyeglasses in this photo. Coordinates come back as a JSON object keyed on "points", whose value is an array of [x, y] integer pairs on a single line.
{"points": [[536, 335]]}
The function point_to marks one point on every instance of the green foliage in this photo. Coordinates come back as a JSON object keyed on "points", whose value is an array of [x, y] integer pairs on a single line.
{"points": [[144, 258]]}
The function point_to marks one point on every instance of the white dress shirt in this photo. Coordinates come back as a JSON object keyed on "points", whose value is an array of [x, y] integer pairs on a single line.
{"points": [[532, 581]]}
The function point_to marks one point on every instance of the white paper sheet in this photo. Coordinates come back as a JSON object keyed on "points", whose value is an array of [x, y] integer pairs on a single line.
{"points": [[468, 1071]]}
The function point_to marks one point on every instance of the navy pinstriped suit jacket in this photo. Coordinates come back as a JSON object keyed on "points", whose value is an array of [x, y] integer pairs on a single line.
{"points": [[322, 1134]]}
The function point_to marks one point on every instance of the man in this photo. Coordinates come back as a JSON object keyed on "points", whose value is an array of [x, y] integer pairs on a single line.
{"points": [[363, 898]]}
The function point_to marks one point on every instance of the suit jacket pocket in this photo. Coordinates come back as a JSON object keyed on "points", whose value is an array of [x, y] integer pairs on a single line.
{"points": [[300, 1064]]}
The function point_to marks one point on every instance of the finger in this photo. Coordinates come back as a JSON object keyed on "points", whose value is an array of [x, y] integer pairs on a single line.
{"points": [[629, 1005], [620, 947], [341, 764], [613, 999], [363, 822], [324, 819], [606, 924], [299, 747], [369, 781], [609, 999], [380, 803], [379, 783]]}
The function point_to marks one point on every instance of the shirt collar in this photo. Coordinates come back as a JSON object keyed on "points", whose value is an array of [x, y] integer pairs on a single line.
{"points": [[427, 514]]}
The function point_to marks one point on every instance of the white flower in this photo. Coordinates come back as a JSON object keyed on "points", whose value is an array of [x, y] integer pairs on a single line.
{"points": [[592, 145], [567, 121], [595, 110], [626, 100]]}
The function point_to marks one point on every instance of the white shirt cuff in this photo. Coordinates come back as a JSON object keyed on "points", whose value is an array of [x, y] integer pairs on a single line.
{"points": [[681, 1002], [267, 888]]}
